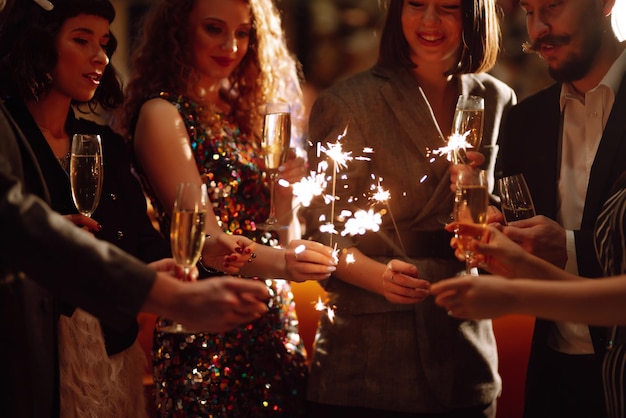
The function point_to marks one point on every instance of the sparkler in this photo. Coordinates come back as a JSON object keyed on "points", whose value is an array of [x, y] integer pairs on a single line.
{"points": [[340, 159], [452, 151], [321, 306], [381, 195]]}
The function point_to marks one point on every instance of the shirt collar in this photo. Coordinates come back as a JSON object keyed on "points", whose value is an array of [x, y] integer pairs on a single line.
{"points": [[611, 79]]}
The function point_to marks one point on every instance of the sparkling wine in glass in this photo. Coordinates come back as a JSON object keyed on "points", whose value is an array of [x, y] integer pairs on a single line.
{"points": [[86, 172], [275, 146], [470, 209], [187, 233], [515, 198], [468, 120]]}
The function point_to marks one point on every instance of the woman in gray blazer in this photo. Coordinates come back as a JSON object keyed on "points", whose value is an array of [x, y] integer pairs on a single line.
{"points": [[389, 350]]}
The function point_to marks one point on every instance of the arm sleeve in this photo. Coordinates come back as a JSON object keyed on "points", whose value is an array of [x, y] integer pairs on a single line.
{"points": [[37, 243]]}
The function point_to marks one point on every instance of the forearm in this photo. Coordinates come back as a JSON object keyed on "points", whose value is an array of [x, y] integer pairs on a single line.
{"points": [[534, 267], [590, 301], [363, 272], [267, 262], [163, 298]]}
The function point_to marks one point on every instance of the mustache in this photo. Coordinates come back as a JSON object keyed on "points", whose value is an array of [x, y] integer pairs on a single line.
{"points": [[550, 40]]}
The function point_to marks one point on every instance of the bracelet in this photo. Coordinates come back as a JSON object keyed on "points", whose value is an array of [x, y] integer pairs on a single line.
{"points": [[208, 269]]}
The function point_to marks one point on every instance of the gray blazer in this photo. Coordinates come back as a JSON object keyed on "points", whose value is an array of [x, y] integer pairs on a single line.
{"points": [[408, 358]]}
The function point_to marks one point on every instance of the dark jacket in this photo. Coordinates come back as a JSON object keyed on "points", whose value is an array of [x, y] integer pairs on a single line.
{"points": [[530, 144], [41, 255], [122, 210]]}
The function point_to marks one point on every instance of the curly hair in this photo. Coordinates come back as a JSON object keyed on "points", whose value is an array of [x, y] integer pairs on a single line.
{"points": [[481, 37], [268, 71], [28, 52]]}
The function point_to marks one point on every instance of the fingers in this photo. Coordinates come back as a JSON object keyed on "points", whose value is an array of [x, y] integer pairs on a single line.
{"points": [[293, 170], [404, 288], [84, 222], [476, 158], [309, 260], [252, 289]]}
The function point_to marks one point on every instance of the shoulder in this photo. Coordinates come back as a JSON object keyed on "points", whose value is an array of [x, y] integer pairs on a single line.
{"points": [[157, 106], [547, 96], [108, 136], [491, 85], [353, 84]]}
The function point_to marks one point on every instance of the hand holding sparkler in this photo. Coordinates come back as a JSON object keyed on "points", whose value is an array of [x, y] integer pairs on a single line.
{"points": [[308, 260], [402, 285]]}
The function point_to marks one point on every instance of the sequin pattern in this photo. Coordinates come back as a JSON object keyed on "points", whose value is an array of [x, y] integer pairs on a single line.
{"points": [[257, 370]]}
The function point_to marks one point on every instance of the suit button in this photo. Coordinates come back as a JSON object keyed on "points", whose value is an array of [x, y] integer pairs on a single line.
{"points": [[120, 235]]}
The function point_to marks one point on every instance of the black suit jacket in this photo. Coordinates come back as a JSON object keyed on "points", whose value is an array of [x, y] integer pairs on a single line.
{"points": [[41, 255], [530, 144], [122, 210]]}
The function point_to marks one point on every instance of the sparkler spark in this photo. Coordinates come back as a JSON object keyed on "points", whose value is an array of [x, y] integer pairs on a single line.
{"points": [[362, 222], [382, 195], [340, 159], [321, 306], [306, 189], [452, 151]]}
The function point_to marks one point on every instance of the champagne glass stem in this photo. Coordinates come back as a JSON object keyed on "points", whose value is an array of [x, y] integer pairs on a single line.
{"points": [[468, 263], [272, 216], [186, 272]]}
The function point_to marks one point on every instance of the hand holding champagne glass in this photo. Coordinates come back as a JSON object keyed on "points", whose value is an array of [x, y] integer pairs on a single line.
{"points": [[470, 208], [86, 172], [515, 198], [275, 145], [468, 121], [187, 232]]}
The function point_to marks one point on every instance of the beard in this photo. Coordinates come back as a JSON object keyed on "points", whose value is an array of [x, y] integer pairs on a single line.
{"points": [[576, 64]]}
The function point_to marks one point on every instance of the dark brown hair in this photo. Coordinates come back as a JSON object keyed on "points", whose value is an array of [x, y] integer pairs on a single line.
{"points": [[28, 50], [481, 37]]}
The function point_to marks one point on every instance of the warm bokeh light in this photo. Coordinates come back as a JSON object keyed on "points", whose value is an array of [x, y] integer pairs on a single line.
{"points": [[619, 19]]}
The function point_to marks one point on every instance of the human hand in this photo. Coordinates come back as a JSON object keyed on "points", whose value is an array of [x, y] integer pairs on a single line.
{"points": [[227, 253], [292, 170], [494, 252], [494, 215], [218, 304], [308, 260], [401, 284], [540, 236], [475, 297], [476, 159], [169, 266], [84, 222]]}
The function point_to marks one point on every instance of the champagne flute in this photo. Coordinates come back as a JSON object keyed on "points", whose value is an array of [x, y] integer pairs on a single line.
{"points": [[275, 145], [470, 209], [187, 233], [515, 198], [86, 172], [468, 121]]}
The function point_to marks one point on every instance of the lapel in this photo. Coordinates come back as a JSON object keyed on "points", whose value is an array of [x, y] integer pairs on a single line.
{"points": [[610, 159], [404, 96], [28, 167], [409, 105], [56, 179]]}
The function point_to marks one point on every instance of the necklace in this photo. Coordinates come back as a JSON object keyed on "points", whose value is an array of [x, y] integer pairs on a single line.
{"points": [[65, 161]]}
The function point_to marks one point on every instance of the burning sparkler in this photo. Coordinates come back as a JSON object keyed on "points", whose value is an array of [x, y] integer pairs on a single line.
{"points": [[382, 196], [321, 306], [340, 159], [452, 151]]}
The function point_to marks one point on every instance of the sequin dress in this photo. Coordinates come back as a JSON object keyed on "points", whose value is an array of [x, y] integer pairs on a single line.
{"points": [[256, 370]]}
